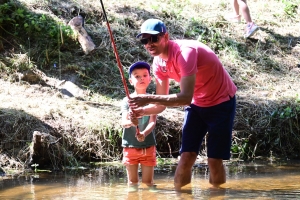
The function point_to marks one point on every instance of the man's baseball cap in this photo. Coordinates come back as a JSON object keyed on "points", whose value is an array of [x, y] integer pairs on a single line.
{"points": [[138, 65], [153, 27]]}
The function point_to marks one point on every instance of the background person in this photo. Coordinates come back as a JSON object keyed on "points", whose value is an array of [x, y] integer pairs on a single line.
{"points": [[251, 27], [206, 89], [138, 149]]}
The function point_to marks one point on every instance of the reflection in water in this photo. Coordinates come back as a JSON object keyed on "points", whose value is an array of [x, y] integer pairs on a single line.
{"points": [[244, 181]]}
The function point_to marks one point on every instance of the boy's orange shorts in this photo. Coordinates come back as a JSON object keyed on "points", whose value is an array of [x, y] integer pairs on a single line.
{"points": [[144, 156]]}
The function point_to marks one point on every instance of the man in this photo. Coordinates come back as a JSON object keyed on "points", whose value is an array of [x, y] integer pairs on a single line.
{"points": [[205, 88]]}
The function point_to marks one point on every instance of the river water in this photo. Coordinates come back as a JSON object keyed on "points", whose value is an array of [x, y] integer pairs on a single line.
{"points": [[255, 180]]}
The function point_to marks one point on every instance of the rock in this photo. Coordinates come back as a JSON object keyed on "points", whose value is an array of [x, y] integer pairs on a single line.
{"points": [[31, 76], [84, 39], [39, 150], [69, 89]]}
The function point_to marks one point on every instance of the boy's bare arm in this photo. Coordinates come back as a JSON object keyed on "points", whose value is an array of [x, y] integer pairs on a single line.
{"points": [[149, 128], [126, 122], [151, 125]]}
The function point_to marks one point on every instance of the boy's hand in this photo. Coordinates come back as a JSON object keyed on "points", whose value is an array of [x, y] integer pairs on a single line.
{"points": [[127, 124], [140, 137], [134, 120], [139, 112]]}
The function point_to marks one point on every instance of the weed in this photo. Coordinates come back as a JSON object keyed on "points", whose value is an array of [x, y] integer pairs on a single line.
{"points": [[33, 27], [290, 8], [35, 166]]}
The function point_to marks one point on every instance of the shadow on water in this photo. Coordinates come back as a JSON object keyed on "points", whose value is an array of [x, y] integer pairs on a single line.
{"points": [[244, 181]]}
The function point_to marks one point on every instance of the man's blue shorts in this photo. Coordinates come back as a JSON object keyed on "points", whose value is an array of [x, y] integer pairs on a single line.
{"points": [[217, 121]]}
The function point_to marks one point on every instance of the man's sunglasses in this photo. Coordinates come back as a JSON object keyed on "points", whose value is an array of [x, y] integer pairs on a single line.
{"points": [[152, 38]]}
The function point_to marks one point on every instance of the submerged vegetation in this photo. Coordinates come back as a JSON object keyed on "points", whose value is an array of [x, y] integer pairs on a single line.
{"points": [[35, 39]]}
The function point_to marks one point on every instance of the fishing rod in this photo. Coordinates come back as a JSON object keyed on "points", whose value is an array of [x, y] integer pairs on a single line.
{"points": [[117, 58]]}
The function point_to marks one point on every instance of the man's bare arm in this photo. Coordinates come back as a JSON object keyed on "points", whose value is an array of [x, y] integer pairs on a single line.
{"points": [[162, 88], [184, 97]]}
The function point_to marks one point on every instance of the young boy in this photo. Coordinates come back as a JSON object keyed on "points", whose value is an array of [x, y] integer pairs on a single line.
{"points": [[138, 148]]}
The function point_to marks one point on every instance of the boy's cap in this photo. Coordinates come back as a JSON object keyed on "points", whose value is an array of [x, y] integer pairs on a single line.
{"points": [[153, 27], [138, 65]]}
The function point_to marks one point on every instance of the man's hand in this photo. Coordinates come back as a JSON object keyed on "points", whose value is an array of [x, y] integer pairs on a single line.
{"points": [[138, 101]]}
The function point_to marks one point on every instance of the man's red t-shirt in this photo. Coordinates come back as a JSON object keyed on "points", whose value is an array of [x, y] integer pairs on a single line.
{"points": [[187, 57]]}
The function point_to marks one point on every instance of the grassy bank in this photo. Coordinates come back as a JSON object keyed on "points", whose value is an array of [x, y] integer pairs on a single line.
{"points": [[35, 37]]}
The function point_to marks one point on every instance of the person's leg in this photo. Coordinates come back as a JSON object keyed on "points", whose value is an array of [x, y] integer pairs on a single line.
{"points": [[236, 17], [217, 174], [236, 7], [130, 160], [193, 132], [147, 175], [148, 161], [245, 10], [183, 172], [132, 174], [220, 119], [251, 27]]}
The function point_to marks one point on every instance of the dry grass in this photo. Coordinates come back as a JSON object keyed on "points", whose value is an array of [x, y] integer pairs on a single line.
{"points": [[265, 68]]}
